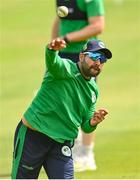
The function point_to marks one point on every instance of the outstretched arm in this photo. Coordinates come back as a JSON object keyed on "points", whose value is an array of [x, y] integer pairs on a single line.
{"points": [[54, 63]]}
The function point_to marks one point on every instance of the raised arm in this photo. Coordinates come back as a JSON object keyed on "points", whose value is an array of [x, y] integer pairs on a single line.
{"points": [[54, 63]]}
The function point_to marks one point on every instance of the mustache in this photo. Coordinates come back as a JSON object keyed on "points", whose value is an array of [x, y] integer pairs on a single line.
{"points": [[96, 68]]}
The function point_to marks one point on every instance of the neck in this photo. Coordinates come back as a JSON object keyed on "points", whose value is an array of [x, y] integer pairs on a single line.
{"points": [[81, 71]]}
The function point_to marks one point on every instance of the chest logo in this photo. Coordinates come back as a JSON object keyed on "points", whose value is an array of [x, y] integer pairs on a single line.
{"points": [[93, 97]]}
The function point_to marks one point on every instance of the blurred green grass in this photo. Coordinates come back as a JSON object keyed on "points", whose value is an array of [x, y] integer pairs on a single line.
{"points": [[25, 30]]}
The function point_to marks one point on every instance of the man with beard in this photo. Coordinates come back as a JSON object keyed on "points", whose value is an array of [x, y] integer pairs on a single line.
{"points": [[65, 101]]}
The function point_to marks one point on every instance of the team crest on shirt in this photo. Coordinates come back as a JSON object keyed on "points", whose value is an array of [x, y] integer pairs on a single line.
{"points": [[66, 151], [93, 97]]}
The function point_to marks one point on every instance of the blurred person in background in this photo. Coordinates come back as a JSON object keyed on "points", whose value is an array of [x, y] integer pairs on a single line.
{"points": [[85, 20]]}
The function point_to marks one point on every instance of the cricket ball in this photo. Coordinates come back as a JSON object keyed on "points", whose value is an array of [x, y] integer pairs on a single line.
{"points": [[62, 11]]}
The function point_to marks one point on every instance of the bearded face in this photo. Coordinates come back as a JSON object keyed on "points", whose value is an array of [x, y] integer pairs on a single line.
{"points": [[89, 67]]}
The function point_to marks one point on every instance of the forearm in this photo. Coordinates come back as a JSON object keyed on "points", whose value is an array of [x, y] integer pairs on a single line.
{"points": [[95, 27], [55, 28], [50, 57], [51, 54], [87, 128]]}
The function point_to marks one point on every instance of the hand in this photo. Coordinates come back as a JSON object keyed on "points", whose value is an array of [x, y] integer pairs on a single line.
{"points": [[98, 117], [57, 44]]}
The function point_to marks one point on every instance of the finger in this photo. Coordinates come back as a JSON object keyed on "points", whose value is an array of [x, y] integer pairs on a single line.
{"points": [[63, 41], [98, 119], [53, 42], [103, 112], [63, 45], [58, 39], [98, 114]]}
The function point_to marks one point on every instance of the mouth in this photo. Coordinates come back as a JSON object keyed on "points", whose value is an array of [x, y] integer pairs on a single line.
{"points": [[95, 68], [95, 71]]}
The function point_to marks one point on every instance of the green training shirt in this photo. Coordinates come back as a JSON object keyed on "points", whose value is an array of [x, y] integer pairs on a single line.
{"points": [[91, 8], [64, 102]]}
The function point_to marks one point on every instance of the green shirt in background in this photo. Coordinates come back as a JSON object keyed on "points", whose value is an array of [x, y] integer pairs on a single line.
{"points": [[91, 8], [64, 102]]}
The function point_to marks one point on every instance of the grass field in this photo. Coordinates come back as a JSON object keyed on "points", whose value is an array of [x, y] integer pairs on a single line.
{"points": [[25, 30]]}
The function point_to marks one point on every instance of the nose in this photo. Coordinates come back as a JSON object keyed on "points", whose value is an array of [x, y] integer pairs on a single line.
{"points": [[97, 62]]}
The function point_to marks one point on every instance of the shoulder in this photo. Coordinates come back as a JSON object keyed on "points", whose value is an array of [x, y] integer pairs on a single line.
{"points": [[69, 65]]}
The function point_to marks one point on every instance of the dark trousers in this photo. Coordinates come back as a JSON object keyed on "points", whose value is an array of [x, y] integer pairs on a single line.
{"points": [[32, 150]]}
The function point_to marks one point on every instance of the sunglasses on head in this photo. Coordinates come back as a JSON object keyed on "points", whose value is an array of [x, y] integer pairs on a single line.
{"points": [[96, 56]]}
